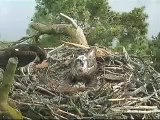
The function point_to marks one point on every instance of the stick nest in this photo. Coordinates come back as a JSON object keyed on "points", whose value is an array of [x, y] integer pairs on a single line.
{"points": [[126, 87]]}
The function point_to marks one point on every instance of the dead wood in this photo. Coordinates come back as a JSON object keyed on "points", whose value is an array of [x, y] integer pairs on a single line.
{"points": [[72, 30]]}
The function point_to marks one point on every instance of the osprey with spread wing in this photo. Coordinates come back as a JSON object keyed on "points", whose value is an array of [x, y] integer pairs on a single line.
{"points": [[26, 53]]}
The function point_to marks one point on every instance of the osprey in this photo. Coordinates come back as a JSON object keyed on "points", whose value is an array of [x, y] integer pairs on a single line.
{"points": [[84, 67], [26, 53]]}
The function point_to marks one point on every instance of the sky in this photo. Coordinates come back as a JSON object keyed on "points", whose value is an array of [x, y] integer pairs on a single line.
{"points": [[15, 15]]}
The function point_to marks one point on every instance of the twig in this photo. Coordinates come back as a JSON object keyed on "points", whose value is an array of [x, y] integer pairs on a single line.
{"points": [[137, 107], [26, 118], [113, 68], [39, 88], [113, 77], [29, 104], [38, 113], [136, 111], [49, 48], [100, 100], [140, 89], [55, 114], [76, 45], [118, 85], [20, 86], [67, 114], [122, 99], [111, 72], [56, 49]]}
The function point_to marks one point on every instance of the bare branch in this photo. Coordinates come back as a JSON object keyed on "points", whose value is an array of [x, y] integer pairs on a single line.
{"points": [[70, 19]]}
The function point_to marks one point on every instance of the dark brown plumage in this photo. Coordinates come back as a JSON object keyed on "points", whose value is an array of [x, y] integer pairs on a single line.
{"points": [[25, 53]]}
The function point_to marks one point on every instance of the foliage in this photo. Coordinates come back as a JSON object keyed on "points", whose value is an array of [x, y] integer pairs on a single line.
{"points": [[4, 44], [155, 51], [99, 22], [134, 31]]}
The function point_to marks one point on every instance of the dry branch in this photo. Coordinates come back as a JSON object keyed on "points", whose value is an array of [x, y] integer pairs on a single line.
{"points": [[76, 35], [137, 111], [70, 19], [67, 114], [72, 30]]}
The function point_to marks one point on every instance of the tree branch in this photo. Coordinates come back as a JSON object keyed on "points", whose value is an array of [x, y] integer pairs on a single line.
{"points": [[7, 82], [72, 30], [70, 19]]}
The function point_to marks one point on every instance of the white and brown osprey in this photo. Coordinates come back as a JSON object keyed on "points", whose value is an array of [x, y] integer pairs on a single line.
{"points": [[84, 66]]}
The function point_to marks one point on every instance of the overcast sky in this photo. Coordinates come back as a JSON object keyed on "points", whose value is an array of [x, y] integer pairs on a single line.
{"points": [[15, 15]]}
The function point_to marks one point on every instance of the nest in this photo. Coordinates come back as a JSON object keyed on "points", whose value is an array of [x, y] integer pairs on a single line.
{"points": [[126, 88]]}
